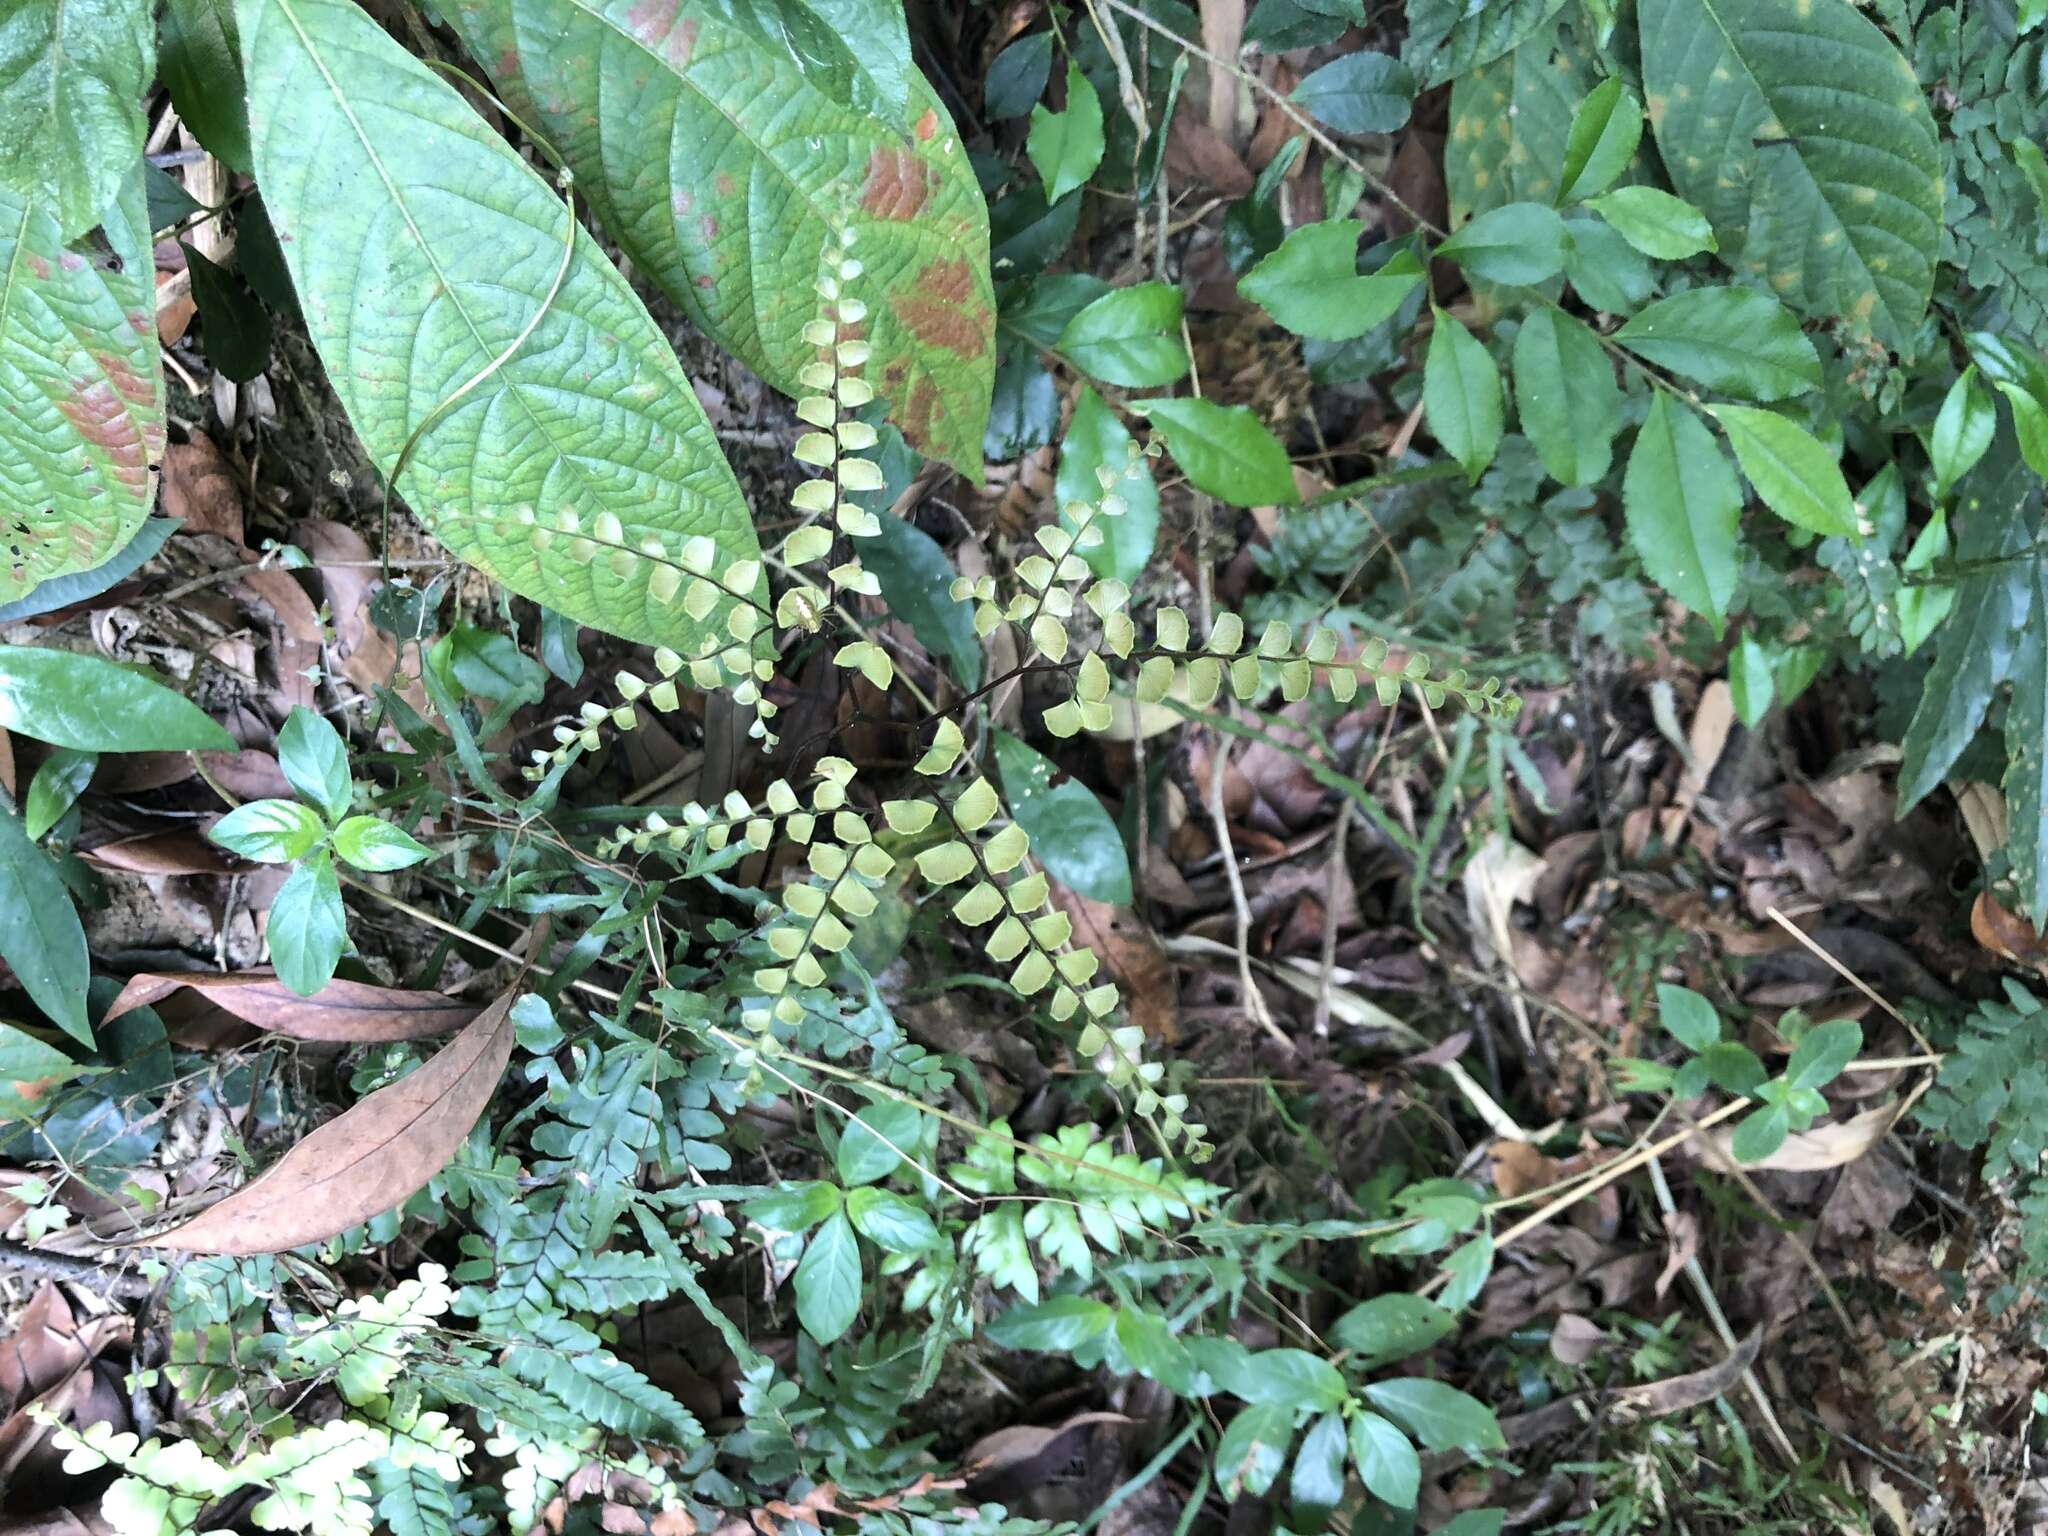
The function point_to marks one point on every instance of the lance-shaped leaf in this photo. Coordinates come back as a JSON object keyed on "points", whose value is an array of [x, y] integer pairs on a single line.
{"points": [[1801, 133], [373, 1156], [81, 388], [728, 178], [72, 74], [422, 249], [1981, 644]]}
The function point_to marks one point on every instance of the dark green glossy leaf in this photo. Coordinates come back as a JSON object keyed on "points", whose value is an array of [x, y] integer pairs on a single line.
{"points": [[308, 927], [827, 1281], [90, 704], [1461, 394], [1736, 340], [1096, 439], [1071, 834], [1359, 93], [201, 66], [1224, 450], [55, 788], [1684, 508], [1130, 336], [315, 761], [915, 577], [40, 936]]}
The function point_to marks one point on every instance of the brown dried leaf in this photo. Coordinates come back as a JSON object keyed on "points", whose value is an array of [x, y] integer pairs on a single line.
{"points": [[366, 1160], [178, 851], [349, 1012], [200, 488], [1825, 1146], [1133, 956], [296, 639], [1675, 1394]]}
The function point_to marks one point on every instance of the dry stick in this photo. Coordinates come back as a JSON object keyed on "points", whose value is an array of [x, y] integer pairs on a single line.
{"points": [[1847, 975], [1698, 1276], [761, 1050], [1599, 1181]]}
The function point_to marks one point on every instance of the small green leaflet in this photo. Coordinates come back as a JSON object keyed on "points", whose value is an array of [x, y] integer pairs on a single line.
{"points": [[1736, 340], [233, 328], [40, 936], [1826, 182], [1515, 244], [889, 1221], [1511, 121], [875, 1142], [1687, 1017], [2026, 770], [827, 1280], [1604, 134], [72, 77], [1441, 1417], [308, 927], [56, 788], [1017, 76], [602, 467], [1565, 391], [1096, 439], [2029, 424], [1359, 93], [1253, 1449], [1071, 834], [1066, 147], [268, 831], [315, 761], [1129, 337], [378, 846], [1448, 37], [1655, 223], [1392, 1326], [1386, 1460], [1684, 508], [1794, 474], [90, 704], [1461, 395], [1312, 286], [1059, 1323], [1315, 1485], [1980, 645], [1963, 429], [1224, 450]]}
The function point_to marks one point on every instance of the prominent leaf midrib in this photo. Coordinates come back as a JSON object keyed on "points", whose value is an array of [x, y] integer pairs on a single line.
{"points": [[1713, 14], [682, 78], [512, 386]]}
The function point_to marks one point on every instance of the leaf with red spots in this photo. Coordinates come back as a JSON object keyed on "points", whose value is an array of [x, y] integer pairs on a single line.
{"points": [[729, 171], [81, 389]]}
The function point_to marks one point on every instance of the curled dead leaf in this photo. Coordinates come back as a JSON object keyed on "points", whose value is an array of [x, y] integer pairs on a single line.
{"points": [[365, 1161], [1675, 1394], [1133, 957], [1825, 1146], [345, 1012]]}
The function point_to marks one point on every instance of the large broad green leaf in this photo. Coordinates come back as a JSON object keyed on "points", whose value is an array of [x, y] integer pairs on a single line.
{"points": [[1732, 339], [72, 74], [1510, 124], [856, 51], [422, 248], [81, 389], [40, 936], [1313, 287], [1094, 440], [1224, 450], [730, 178], [1359, 93], [1791, 469], [1801, 133], [1980, 646], [1461, 395]]}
